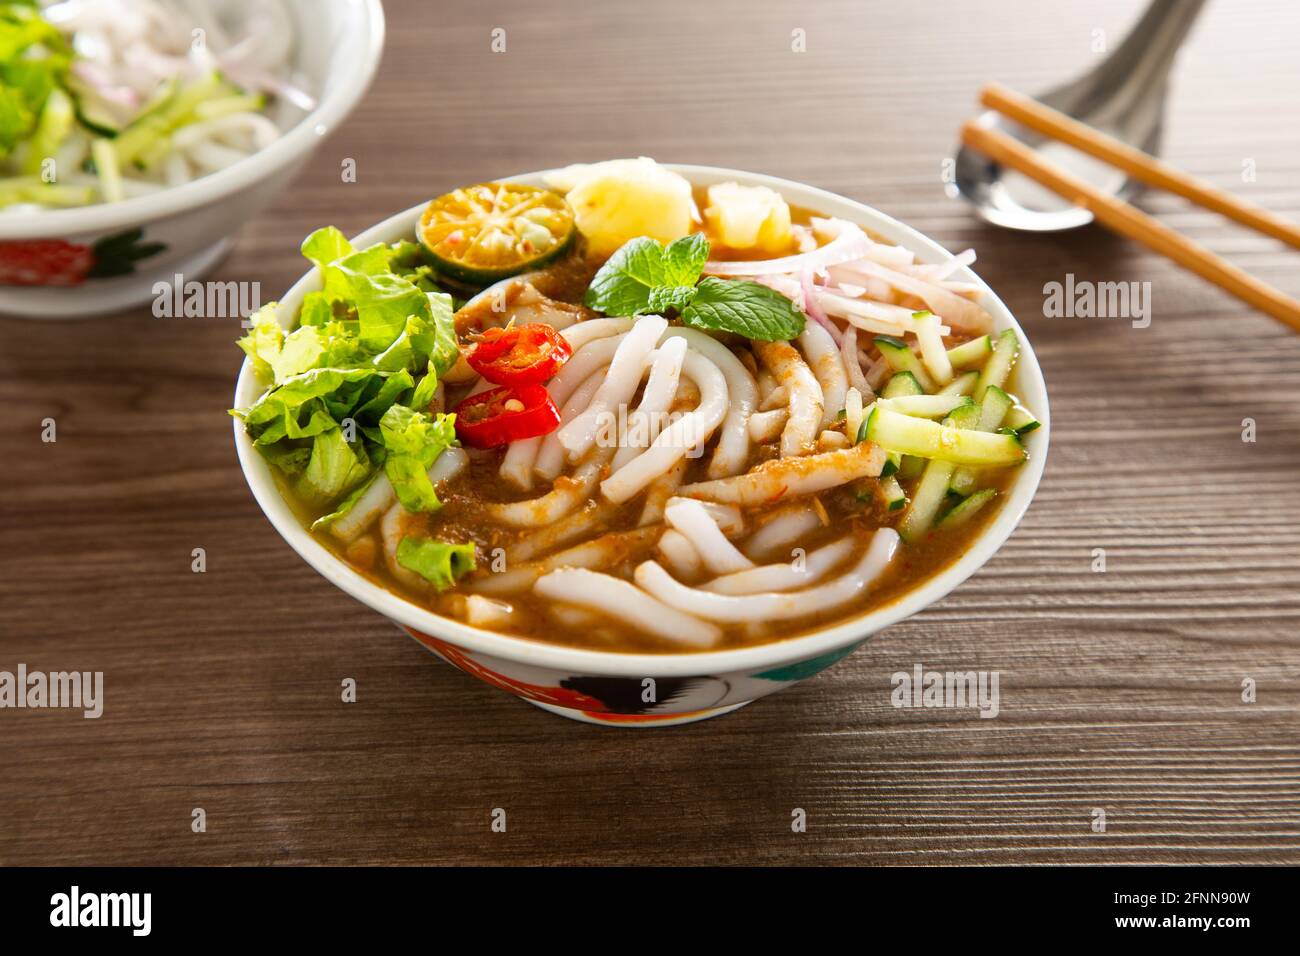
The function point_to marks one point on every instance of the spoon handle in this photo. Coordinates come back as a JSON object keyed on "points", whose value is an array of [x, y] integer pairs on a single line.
{"points": [[1141, 61]]}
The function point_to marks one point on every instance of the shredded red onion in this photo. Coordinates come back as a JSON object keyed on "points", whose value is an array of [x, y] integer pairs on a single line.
{"points": [[812, 308], [268, 83], [97, 78]]}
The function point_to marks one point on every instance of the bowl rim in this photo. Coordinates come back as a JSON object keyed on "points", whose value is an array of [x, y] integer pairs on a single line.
{"points": [[612, 663], [296, 141]]}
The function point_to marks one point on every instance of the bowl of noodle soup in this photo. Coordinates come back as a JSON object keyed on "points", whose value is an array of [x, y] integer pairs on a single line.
{"points": [[635, 683], [125, 203]]}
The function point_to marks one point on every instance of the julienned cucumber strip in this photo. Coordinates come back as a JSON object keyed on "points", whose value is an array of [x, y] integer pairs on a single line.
{"points": [[148, 130], [963, 384], [927, 406], [89, 110], [903, 359], [905, 467], [892, 459], [998, 368], [228, 105], [110, 177], [926, 439], [902, 383], [927, 497], [974, 352], [53, 128], [1020, 420], [964, 416], [993, 410], [909, 467], [893, 494], [965, 510]]}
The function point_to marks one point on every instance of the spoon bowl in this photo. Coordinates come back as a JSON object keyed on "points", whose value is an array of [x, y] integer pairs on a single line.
{"points": [[1124, 96]]}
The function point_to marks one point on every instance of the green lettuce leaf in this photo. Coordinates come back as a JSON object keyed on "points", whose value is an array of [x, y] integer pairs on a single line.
{"points": [[288, 456], [389, 393], [425, 390], [439, 563], [325, 246], [264, 340], [334, 468], [302, 350], [410, 260], [34, 59], [347, 504], [316, 309], [440, 342], [350, 387], [413, 441]]}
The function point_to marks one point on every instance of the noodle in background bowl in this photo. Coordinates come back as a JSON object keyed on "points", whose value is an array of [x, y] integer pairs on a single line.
{"points": [[607, 687], [336, 50]]}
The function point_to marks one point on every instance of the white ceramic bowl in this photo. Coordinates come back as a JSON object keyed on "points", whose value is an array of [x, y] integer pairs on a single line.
{"points": [[608, 688], [335, 54]]}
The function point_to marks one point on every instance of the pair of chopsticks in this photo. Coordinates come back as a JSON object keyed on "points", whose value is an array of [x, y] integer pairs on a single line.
{"points": [[1118, 215]]}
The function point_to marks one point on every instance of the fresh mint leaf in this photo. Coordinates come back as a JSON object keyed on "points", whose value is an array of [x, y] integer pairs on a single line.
{"points": [[622, 285], [684, 260], [665, 297], [643, 276], [744, 307]]}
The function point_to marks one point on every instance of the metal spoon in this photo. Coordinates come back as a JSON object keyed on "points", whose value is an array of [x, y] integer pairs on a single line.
{"points": [[1124, 96]]}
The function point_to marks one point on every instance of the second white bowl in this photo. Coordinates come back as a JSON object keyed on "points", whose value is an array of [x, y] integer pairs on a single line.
{"points": [[185, 230]]}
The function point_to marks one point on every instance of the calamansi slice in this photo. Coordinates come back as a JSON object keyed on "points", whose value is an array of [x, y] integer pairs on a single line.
{"points": [[481, 234]]}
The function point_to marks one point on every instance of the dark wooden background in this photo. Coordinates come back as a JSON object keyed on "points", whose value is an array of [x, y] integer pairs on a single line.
{"points": [[1120, 690]]}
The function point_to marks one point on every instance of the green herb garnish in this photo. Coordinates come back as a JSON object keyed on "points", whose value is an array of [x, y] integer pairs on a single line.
{"points": [[644, 276]]}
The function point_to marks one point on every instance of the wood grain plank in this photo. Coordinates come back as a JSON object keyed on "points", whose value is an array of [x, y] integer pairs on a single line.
{"points": [[1120, 690]]}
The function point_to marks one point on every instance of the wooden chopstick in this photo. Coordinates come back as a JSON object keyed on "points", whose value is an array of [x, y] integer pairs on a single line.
{"points": [[1129, 221], [1143, 167]]}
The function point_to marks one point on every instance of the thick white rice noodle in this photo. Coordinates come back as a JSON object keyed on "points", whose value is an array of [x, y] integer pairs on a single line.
{"points": [[772, 606], [626, 602]]}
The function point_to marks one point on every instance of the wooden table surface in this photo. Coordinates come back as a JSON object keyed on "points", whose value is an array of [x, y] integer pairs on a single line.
{"points": [[1121, 690]]}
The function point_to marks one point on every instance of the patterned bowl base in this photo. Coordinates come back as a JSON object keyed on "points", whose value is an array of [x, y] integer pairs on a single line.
{"points": [[637, 720]]}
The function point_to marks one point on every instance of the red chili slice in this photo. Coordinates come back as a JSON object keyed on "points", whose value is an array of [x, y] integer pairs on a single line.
{"points": [[526, 354], [502, 415]]}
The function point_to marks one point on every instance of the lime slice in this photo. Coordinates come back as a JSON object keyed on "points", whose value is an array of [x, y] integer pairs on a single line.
{"points": [[484, 233]]}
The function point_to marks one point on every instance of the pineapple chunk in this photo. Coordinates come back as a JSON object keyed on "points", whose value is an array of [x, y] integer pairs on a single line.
{"points": [[622, 199], [748, 217]]}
